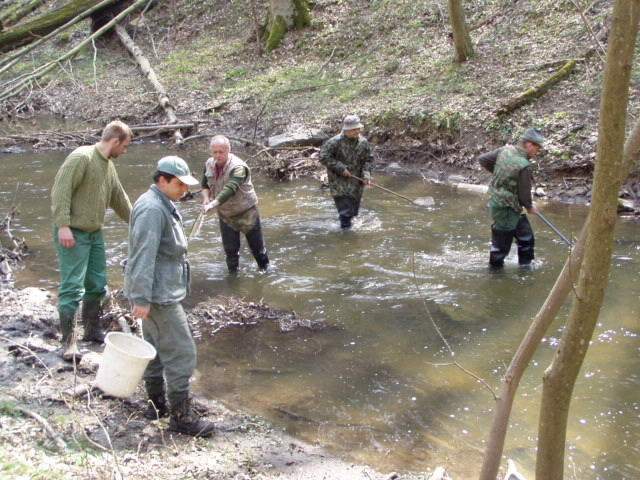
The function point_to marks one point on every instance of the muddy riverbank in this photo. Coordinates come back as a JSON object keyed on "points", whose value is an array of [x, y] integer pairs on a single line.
{"points": [[50, 432]]}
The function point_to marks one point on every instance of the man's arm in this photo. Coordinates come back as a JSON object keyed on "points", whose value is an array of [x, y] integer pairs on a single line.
{"points": [[120, 200], [67, 180], [368, 163], [206, 191], [144, 240], [328, 158], [488, 160], [237, 178], [524, 188]]}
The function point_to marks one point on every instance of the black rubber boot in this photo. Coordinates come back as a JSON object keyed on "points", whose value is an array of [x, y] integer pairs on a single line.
{"points": [[232, 263], [526, 242], [500, 247], [156, 407], [70, 351], [184, 419], [91, 313], [345, 222]]}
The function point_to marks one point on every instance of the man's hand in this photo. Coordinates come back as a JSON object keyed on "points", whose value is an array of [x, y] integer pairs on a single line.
{"points": [[65, 237], [533, 210], [346, 173], [140, 311], [210, 206], [368, 182]]}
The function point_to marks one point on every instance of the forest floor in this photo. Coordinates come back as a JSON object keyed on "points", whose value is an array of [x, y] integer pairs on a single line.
{"points": [[389, 62]]}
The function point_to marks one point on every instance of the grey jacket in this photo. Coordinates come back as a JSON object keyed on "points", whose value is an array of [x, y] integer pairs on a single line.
{"points": [[157, 269]]}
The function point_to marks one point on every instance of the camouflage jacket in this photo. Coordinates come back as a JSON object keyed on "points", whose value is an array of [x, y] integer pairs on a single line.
{"points": [[340, 153], [504, 187]]}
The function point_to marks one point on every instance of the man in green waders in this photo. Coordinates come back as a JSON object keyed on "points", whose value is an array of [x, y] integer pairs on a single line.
{"points": [[510, 191], [86, 184], [156, 281], [346, 155]]}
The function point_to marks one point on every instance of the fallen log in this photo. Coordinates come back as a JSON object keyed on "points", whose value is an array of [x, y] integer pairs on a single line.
{"points": [[10, 60], [17, 11], [537, 91], [52, 138], [26, 80], [40, 26], [150, 75]]}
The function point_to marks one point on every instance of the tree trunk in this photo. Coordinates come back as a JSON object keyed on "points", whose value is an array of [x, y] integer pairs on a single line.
{"points": [[38, 27], [560, 377], [461, 38], [284, 15], [151, 76], [16, 12]]}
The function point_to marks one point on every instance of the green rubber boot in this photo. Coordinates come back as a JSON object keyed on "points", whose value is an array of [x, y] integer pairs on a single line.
{"points": [[70, 351], [91, 313]]}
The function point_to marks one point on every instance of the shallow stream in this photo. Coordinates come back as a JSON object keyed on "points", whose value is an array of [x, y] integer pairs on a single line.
{"points": [[376, 385]]}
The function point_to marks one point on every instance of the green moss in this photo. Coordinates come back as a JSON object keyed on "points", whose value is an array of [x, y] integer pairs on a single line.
{"points": [[236, 73], [302, 16], [276, 33]]}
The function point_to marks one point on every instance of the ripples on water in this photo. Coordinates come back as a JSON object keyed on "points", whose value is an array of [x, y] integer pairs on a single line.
{"points": [[375, 385]]}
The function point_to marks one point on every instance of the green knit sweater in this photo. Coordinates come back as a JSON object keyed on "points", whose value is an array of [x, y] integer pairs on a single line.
{"points": [[86, 184]]}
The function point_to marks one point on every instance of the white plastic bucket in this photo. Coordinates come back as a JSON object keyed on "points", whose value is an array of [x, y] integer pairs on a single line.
{"points": [[123, 362]]}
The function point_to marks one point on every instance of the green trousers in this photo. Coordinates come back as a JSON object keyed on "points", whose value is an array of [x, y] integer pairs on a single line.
{"points": [[167, 330], [83, 269]]}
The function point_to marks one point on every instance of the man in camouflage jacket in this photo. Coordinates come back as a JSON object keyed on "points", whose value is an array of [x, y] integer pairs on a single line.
{"points": [[510, 191], [347, 155]]}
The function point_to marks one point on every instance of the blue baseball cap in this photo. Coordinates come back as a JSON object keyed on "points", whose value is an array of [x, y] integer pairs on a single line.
{"points": [[177, 167]]}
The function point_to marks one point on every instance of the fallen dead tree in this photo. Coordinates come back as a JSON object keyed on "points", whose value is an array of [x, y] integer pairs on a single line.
{"points": [[150, 75], [9, 61], [16, 11], [537, 91], [17, 85], [44, 24], [54, 139]]}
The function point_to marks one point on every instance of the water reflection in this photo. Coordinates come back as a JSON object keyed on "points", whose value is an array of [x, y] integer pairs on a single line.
{"points": [[376, 385]]}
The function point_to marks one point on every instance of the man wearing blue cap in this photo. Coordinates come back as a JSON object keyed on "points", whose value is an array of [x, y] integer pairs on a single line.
{"points": [[510, 191], [156, 281]]}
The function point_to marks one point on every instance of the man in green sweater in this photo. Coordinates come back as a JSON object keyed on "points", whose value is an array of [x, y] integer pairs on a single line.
{"points": [[86, 184]]}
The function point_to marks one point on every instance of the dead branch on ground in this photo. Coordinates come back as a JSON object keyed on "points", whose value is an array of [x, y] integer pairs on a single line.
{"points": [[150, 75], [536, 91], [25, 81], [10, 60], [60, 445]]}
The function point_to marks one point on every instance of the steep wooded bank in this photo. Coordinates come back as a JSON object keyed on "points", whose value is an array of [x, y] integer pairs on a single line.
{"points": [[391, 62]]}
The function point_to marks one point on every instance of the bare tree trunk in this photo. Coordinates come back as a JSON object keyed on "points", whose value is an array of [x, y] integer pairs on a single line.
{"points": [[38, 27], [461, 38], [284, 15], [560, 377], [16, 12], [150, 75]]}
